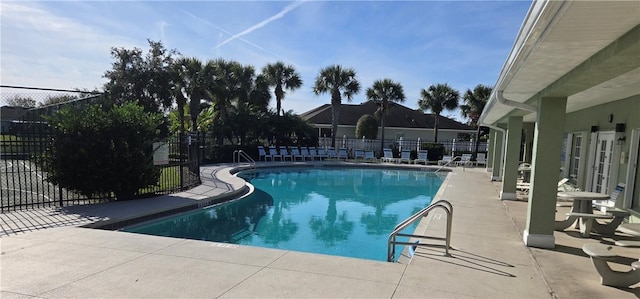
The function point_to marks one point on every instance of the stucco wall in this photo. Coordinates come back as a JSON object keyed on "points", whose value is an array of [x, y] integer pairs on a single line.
{"points": [[625, 111]]}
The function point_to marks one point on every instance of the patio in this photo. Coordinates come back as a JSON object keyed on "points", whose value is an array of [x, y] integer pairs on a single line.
{"points": [[46, 254]]}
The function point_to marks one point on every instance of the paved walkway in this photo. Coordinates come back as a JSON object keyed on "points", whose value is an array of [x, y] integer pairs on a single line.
{"points": [[46, 254]]}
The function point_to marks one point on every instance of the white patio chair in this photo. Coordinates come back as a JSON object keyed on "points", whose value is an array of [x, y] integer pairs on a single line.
{"points": [[388, 156], [358, 154], [445, 160], [285, 153], [273, 152], [331, 153], [342, 154], [369, 156], [422, 158], [322, 153], [405, 156], [481, 159], [262, 154], [295, 153]]}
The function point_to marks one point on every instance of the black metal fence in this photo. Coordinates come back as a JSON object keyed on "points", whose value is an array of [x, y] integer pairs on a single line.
{"points": [[26, 136]]}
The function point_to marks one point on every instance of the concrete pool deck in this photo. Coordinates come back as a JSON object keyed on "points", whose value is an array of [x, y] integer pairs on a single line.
{"points": [[47, 254]]}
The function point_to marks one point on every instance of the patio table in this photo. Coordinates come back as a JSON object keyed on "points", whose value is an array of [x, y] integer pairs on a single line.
{"points": [[582, 204]]}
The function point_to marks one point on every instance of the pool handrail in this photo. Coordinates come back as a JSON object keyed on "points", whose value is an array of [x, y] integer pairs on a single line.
{"points": [[238, 154], [391, 242], [446, 164]]}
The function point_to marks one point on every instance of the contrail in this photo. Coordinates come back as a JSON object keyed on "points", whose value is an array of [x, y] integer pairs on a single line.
{"points": [[279, 15], [218, 27]]}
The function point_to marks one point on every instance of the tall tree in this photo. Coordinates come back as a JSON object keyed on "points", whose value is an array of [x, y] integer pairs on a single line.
{"points": [[474, 102], [338, 81], [145, 78], [18, 101], [382, 92], [191, 86], [437, 98], [283, 77], [259, 97]]}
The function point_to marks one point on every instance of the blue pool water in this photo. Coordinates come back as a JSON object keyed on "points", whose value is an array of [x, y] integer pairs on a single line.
{"points": [[347, 212]]}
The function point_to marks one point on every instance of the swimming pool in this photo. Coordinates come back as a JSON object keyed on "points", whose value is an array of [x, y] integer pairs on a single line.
{"points": [[336, 211]]}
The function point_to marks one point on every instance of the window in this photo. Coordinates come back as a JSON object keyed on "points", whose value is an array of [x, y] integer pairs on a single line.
{"points": [[575, 156]]}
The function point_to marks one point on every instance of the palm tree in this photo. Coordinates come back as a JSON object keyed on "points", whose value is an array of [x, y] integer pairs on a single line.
{"points": [[192, 85], [474, 102], [384, 91], [437, 98], [177, 88], [339, 82], [282, 77]]}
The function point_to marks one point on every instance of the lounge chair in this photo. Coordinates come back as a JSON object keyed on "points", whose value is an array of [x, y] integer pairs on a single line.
{"points": [[388, 156], [405, 155], [262, 154], [422, 158], [313, 153], [358, 154], [295, 153], [285, 153], [562, 186], [600, 254], [342, 154], [481, 159], [304, 151], [322, 153], [369, 156], [273, 152], [331, 153], [465, 160], [610, 203], [445, 160]]}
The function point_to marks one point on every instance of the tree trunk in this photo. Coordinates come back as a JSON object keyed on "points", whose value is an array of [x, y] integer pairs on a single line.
{"points": [[279, 95], [335, 116], [475, 152], [435, 127], [382, 137]]}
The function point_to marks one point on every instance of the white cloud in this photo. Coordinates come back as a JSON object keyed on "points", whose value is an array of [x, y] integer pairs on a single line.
{"points": [[42, 49]]}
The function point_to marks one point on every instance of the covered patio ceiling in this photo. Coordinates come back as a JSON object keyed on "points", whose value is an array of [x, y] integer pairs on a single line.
{"points": [[588, 51]]}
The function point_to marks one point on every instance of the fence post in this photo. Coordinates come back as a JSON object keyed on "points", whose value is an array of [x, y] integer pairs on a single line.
{"points": [[181, 145]]}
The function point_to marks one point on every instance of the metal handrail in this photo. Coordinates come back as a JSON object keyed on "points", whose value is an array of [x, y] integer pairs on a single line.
{"points": [[447, 164], [391, 245], [237, 154]]}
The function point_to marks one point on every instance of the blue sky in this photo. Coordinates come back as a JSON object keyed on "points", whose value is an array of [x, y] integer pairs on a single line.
{"points": [[417, 43]]}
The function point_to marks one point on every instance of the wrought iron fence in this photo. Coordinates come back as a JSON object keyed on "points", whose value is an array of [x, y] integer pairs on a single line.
{"points": [[26, 136]]}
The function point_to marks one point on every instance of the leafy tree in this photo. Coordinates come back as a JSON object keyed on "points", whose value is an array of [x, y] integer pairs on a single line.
{"points": [[367, 126], [437, 98], [18, 101], [382, 92], [259, 96], [146, 78], [282, 77], [54, 100], [474, 102], [338, 81], [101, 150]]}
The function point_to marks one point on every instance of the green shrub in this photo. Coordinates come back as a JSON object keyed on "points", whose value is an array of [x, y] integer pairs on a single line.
{"points": [[99, 150], [367, 126], [435, 151]]}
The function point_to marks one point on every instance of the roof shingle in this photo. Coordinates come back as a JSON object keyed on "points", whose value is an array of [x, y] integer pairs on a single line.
{"points": [[398, 116]]}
